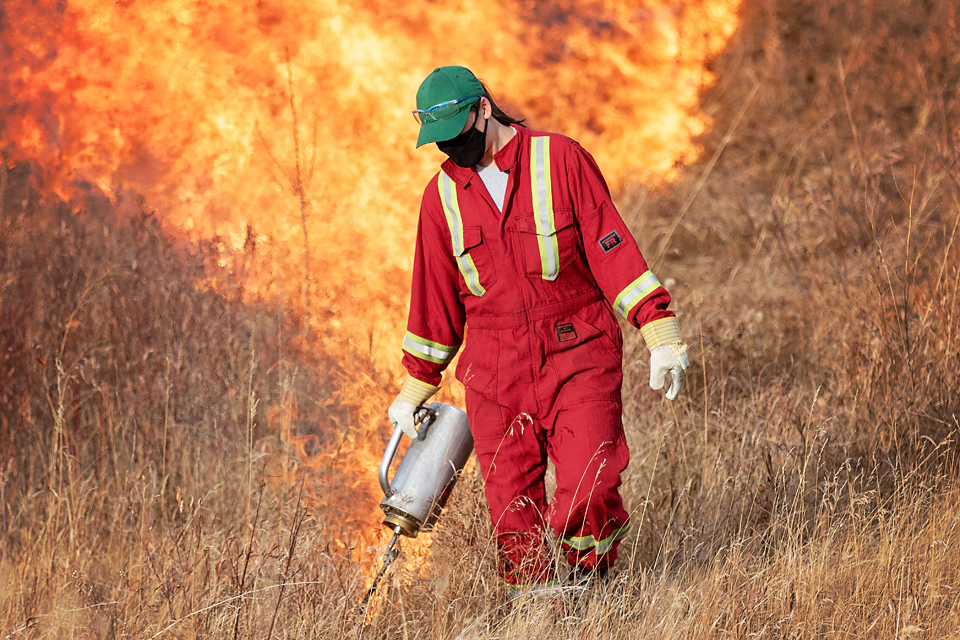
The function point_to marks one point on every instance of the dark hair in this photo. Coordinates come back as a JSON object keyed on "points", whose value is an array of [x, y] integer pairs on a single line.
{"points": [[498, 113]]}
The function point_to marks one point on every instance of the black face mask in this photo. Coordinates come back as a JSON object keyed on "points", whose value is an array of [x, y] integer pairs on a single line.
{"points": [[467, 149]]}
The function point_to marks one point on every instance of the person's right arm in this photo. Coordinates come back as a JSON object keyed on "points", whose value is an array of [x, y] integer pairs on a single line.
{"points": [[436, 319]]}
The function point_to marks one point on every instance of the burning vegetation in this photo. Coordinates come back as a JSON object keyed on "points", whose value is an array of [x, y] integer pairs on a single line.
{"points": [[279, 138], [206, 220]]}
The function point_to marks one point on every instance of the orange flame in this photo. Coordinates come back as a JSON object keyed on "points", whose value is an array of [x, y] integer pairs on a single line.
{"points": [[292, 119]]}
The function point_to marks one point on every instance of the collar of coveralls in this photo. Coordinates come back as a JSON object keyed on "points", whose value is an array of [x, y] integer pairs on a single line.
{"points": [[505, 159]]}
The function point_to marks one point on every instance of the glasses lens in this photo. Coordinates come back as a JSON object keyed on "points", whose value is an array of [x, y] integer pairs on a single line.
{"points": [[443, 110]]}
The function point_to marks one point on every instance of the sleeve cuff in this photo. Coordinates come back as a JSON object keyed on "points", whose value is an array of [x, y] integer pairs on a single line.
{"points": [[416, 391], [660, 332]]}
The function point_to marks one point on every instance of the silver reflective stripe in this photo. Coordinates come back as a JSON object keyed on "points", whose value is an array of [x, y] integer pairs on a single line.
{"points": [[542, 190], [451, 210], [428, 350], [635, 292]]}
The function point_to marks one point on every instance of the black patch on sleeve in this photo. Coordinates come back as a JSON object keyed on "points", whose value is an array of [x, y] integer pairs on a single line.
{"points": [[610, 242]]}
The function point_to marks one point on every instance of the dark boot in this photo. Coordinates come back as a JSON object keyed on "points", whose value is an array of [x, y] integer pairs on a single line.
{"points": [[582, 582]]}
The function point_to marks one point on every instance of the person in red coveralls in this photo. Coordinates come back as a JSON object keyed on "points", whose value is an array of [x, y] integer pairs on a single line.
{"points": [[522, 258]]}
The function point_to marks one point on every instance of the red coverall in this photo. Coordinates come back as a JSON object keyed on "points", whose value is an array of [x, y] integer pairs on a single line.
{"points": [[534, 285]]}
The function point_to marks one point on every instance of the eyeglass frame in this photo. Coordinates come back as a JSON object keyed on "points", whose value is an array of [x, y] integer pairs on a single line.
{"points": [[416, 112]]}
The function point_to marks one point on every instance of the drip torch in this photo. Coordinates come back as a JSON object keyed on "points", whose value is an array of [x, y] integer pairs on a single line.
{"points": [[415, 497]]}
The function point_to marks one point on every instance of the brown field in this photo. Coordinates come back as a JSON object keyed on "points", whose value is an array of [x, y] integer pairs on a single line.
{"points": [[804, 486]]}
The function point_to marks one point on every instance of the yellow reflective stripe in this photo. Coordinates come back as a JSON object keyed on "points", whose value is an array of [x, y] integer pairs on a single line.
{"points": [[634, 292], [451, 209], [427, 350], [535, 589], [542, 190], [582, 543]]}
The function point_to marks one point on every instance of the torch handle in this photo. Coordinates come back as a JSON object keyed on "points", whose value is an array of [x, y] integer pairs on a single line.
{"points": [[387, 459]]}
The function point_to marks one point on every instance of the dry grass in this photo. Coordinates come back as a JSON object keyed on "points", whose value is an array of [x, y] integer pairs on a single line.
{"points": [[804, 486]]}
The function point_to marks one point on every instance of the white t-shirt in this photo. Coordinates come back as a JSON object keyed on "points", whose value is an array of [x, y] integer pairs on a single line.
{"points": [[495, 181]]}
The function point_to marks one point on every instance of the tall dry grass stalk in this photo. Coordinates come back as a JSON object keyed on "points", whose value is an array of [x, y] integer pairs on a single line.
{"points": [[804, 486]]}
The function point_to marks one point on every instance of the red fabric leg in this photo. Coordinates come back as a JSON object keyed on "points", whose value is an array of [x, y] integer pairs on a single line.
{"points": [[512, 456], [590, 452]]}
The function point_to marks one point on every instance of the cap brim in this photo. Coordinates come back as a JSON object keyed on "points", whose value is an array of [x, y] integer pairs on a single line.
{"points": [[440, 130]]}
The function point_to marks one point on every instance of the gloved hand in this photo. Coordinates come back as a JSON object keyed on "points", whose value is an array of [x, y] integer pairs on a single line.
{"points": [[403, 410], [668, 354], [669, 358], [401, 413]]}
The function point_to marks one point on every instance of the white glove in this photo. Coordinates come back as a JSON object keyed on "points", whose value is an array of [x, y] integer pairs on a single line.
{"points": [[668, 358], [401, 413], [404, 409]]}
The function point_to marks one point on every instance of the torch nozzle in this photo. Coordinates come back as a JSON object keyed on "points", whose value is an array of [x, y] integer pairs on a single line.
{"points": [[389, 556]]}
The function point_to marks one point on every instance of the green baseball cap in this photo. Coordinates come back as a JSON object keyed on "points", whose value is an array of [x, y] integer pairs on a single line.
{"points": [[443, 103]]}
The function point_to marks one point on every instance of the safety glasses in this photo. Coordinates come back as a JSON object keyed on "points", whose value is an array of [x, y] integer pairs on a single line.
{"points": [[443, 110]]}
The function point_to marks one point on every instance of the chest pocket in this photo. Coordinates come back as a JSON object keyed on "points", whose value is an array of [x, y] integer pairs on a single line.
{"points": [[548, 238], [472, 256], [546, 254]]}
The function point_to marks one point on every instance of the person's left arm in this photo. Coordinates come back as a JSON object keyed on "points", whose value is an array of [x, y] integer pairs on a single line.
{"points": [[621, 271]]}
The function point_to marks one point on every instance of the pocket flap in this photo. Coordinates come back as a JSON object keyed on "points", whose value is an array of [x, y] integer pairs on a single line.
{"points": [[472, 237], [528, 223]]}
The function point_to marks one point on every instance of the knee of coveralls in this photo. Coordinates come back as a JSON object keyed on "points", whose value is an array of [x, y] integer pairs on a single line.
{"points": [[590, 452], [512, 457]]}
